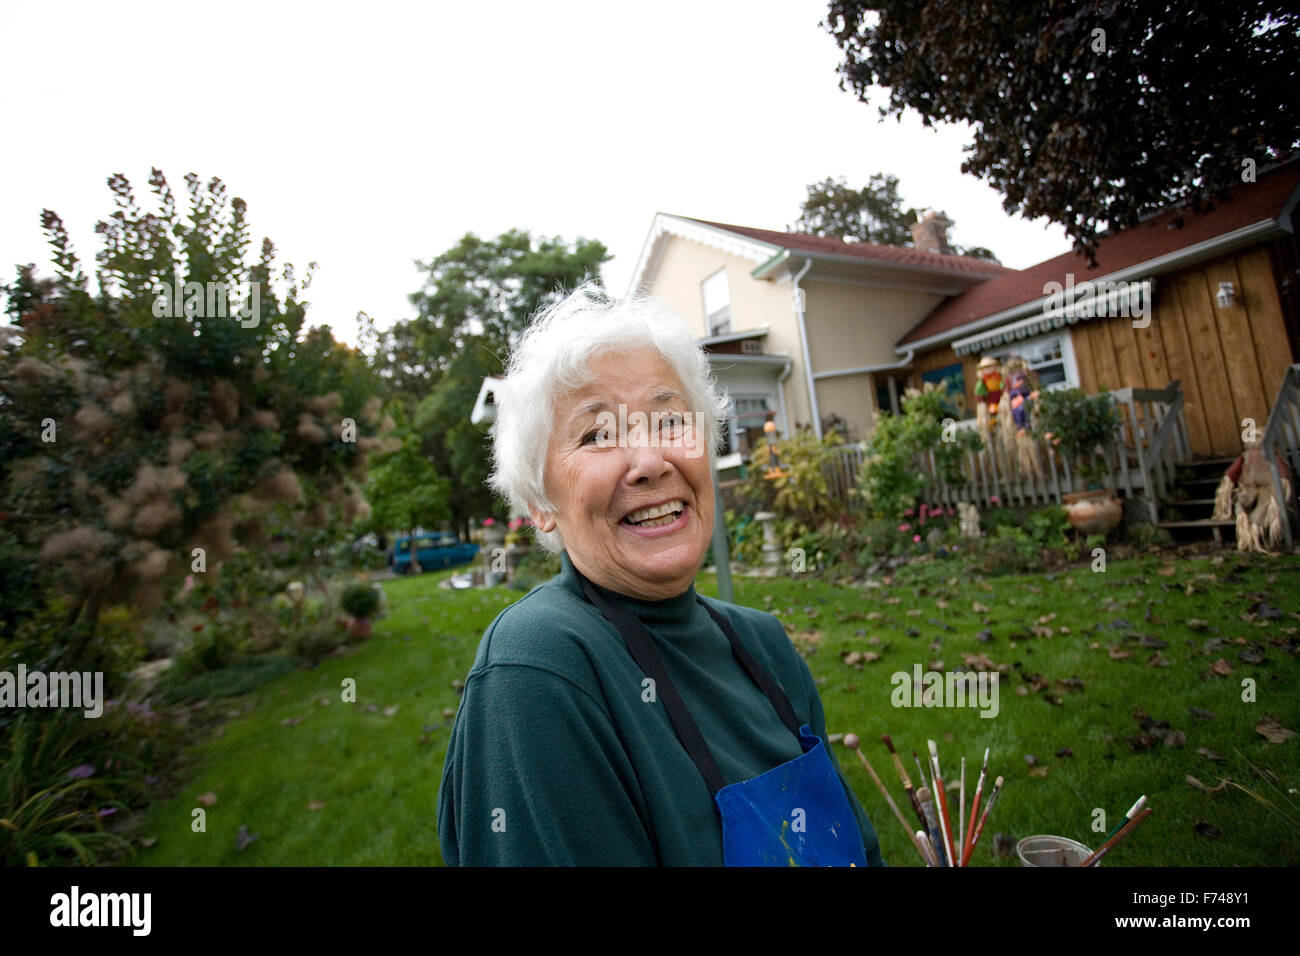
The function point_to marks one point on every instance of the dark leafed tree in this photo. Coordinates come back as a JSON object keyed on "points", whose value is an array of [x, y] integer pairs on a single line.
{"points": [[873, 213], [1093, 114]]}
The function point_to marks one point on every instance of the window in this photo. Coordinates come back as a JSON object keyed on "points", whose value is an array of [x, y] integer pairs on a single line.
{"points": [[1050, 357], [953, 375], [717, 303]]}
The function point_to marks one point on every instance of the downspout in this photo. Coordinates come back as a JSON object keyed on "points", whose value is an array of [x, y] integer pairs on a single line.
{"points": [[803, 343], [780, 389]]}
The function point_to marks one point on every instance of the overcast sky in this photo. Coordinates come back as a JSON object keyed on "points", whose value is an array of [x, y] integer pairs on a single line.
{"points": [[366, 135]]}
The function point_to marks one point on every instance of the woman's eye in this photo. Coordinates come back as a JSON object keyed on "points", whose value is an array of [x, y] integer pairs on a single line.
{"points": [[671, 423], [598, 435]]}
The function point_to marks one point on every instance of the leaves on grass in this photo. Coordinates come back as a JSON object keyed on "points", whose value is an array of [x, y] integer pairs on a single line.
{"points": [[1167, 571], [1116, 654], [1273, 731], [1197, 785], [291, 722], [316, 805], [1152, 642], [1221, 667], [1196, 624], [979, 608], [1139, 742], [390, 711], [1202, 713], [1072, 683], [147, 842], [985, 636], [1209, 754], [1175, 738], [1207, 829], [207, 799], [1157, 660]]}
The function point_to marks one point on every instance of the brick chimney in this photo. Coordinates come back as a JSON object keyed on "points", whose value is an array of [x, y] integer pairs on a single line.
{"points": [[931, 233]]}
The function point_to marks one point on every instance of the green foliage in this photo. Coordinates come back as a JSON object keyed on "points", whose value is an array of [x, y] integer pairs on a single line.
{"points": [[360, 600], [891, 481], [48, 813], [873, 213], [1043, 86], [536, 567], [476, 300], [802, 495], [1076, 424], [175, 428]]}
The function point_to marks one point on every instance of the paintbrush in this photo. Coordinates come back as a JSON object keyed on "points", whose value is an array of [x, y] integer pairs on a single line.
{"points": [[902, 775], [941, 803], [851, 741], [974, 809], [961, 812], [979, 831], [932, 823], [924, 842], [1123, 832], [1141, 802], [920, 770]]}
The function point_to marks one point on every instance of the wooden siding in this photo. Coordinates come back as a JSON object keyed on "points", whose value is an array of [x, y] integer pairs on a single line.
{"points": [[1231, 361]]}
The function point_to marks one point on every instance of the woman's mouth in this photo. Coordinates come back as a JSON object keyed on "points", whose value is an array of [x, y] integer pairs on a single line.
{"points": [[658, 521]]}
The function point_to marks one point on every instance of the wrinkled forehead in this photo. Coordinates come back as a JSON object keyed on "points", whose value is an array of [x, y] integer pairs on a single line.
{"points": [[639, 378]]}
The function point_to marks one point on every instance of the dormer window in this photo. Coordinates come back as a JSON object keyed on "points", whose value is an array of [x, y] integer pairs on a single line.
{"points": [[717, 303]]}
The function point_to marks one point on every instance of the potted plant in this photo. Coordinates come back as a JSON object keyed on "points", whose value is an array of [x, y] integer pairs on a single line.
{"points": [[1081, 428], [360, 601]]}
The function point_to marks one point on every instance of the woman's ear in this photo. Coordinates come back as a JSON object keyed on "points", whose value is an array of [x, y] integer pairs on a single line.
{"points": [[542, 520]]}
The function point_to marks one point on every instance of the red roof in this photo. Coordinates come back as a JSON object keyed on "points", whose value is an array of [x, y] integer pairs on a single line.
{"points": [[869, 251], [1246, 205]]}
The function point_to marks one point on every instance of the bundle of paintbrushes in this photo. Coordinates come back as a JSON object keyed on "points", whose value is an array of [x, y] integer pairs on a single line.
{"points": [[937, 841]]}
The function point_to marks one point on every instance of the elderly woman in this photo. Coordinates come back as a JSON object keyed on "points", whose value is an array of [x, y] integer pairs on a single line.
{"points": [[613, 716]]}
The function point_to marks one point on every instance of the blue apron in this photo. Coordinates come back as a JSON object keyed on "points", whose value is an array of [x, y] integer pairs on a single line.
{"points": [[797, 813]]}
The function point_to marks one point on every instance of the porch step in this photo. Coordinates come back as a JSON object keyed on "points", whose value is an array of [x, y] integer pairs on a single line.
{"points": [[1202, 523]]}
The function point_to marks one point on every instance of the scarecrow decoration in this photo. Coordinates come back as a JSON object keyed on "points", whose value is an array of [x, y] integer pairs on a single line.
{"points": [[988, 393], [1016, 414], [1246, 492]]}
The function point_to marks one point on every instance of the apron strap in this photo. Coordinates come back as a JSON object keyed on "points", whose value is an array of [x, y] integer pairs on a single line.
{"points": [[755, 670], [640, 644]]}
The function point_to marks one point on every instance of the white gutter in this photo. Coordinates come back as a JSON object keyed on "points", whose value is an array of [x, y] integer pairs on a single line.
{"points": [[1219, 245], [780, 389], [803, 342], [888, 366]]}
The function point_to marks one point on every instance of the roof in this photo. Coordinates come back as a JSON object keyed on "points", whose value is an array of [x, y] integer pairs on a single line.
{"points": [[867, 251], [1248, 204]]}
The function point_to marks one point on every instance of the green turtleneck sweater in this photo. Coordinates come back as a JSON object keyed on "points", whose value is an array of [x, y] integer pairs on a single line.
{"points": [[557, 758]]}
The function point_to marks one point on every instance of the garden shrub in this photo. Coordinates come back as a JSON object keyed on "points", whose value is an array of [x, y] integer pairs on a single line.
{"points": [[360, 600]]}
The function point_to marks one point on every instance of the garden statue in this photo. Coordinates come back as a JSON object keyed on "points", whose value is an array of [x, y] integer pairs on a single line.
{"points": [[1016, 414], [1246, 490], [969, 519], [776, 471], [988, 393]]}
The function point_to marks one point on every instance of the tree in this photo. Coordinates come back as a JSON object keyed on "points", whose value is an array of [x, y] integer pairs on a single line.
{"points": [[476, 300], [873, 213], [1092, 114], [405, 491], [181, 413]]}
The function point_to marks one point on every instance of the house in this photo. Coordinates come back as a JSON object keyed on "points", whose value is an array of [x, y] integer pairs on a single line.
{"points": [[1211, 305], [802, 327]]}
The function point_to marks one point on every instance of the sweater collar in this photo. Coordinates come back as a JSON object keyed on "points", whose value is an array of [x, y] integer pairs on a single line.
{"points": [[677, 609]]}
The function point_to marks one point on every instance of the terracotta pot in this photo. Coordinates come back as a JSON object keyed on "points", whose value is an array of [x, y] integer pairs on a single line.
{"points": [[360, 628], [1093, 512]]}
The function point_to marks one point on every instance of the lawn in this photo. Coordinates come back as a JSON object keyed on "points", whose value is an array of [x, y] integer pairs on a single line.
{"points": [[323, 782]]}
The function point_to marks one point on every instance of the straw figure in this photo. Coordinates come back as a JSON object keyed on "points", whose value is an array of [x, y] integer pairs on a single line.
{"points": [[1246, 492], [1015, 414]]}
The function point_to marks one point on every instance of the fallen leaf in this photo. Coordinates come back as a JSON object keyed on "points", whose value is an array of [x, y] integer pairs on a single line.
{"points": [[1175, 738], [1202, 713], [1152, 642], [390, 711], [1209, 754], [1273, 731], [1207, 829], [1065, 752], [1221, 667], [1196, 624], [207, 799], [1157, 660], [1116, 654], [243, 838], [1167, 571], [315, 805], [979, 608], [985, 636], [1197, 785], [291, 722], [148, 841], [1039, 771]]}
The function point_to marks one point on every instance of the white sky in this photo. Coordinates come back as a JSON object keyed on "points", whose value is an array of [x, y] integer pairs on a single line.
{"points": [[366, 135]]}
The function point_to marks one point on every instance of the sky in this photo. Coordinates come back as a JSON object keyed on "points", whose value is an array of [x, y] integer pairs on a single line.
{"points": [[366, 136]]}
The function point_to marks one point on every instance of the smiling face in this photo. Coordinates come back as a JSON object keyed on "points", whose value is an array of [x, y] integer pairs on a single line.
{"points": [[597, 478]]}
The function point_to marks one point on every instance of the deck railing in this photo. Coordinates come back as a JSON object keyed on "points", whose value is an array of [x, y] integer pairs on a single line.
{"points": [[1149, 442]]}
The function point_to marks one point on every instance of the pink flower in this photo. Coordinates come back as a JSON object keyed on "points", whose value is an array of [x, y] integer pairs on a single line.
{"points": [[904, 527], [925, 509], [952, 512], [995, 499], [489, 522], [908, 513], [916, 539]]}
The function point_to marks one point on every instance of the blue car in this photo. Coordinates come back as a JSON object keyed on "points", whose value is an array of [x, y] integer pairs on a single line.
{"points": [[434, 552]]}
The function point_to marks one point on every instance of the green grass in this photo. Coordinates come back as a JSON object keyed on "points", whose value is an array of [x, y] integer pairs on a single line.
{"points": [[378, 782]]}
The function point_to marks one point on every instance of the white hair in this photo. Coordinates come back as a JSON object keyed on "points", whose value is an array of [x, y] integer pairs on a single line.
{"points": [[552, 357]]}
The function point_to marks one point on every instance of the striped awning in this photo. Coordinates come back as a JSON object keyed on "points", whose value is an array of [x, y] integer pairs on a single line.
{"points": [[1087, 300]]}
